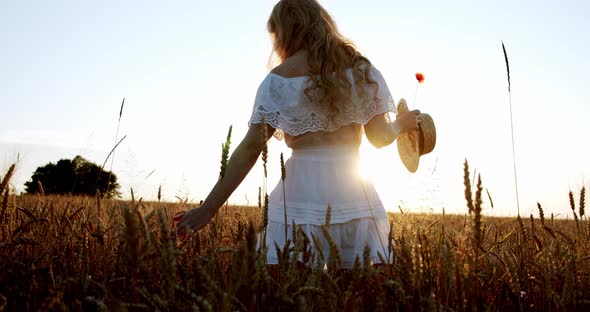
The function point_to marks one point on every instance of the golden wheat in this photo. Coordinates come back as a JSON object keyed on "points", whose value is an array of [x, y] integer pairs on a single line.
{"points": [[75, 253]]}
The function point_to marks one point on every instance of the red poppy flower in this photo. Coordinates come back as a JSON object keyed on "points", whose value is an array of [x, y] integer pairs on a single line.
{"points": [[420, 77]]}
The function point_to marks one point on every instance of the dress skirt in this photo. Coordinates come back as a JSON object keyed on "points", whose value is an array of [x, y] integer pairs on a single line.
{"points": [[316, 178]]}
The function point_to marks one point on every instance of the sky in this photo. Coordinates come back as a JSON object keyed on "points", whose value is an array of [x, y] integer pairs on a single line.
{"points": [[190, 69]]}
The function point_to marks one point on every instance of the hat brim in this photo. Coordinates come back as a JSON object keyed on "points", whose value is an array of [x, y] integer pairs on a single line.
{"points": [[407, 143], [407, 147], [412, 144]]}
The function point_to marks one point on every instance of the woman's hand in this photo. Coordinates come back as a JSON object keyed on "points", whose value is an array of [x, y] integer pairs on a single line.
{"points": [[239, 164], [408, 121], [193, 220]]}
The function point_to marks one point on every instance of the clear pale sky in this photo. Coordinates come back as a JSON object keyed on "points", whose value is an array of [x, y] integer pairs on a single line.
{"points": [[190, 69]]}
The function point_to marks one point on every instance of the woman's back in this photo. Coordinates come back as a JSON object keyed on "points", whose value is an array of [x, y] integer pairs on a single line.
{"points": [[294, 70]]}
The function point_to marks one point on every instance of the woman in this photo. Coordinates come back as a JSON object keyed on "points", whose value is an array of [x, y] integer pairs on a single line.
{"points": [[321, 97]]}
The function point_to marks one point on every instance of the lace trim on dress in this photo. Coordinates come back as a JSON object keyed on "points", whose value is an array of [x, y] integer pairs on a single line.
{"points": [[283, 105]]}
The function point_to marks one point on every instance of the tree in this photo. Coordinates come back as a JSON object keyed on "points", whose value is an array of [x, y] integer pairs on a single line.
{"points": [[77, 177]]}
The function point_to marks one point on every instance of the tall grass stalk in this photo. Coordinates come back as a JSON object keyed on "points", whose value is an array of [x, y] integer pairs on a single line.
{"points": [[225, 154], [4, 189], [283, 176], [490, 198], [7, 177], [541, 214], [116, 138], [512, 130], [582, 205], [264, 138], [477, 219], [467, 184], [111, 152], [573, 207]]}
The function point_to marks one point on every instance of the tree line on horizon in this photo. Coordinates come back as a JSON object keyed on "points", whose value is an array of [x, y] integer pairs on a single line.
{"points": [[76, 176]]}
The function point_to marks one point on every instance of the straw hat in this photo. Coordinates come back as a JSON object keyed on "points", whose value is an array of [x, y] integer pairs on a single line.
{"points": [[413, 144]]}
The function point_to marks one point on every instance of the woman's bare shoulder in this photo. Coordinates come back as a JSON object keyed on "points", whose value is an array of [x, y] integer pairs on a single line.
{"points": [[295, 66]]}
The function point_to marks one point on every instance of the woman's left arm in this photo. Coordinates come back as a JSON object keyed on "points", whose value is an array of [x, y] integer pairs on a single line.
{"points": [[240, 163]]}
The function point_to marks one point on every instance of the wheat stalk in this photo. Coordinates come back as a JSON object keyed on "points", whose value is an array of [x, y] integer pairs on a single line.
{"points": [[116, 137], [582, 204], [532, 225], [573, 207], [467, 183], [511, 129], [490, 198], [7, 177], [283, 176], [225, 154], [477, 214], [4, 188], [541, 214], [111, 152], [264, 137]]}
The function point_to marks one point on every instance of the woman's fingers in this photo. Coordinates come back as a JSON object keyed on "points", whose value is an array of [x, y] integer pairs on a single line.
{"points": [[179, 216], [419, 118], [182, 230], [409, 120], [180, 226], [192, 220], [417, 115]]}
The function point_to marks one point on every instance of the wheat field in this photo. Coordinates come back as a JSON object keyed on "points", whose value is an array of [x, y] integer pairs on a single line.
{"points": [[62, 253]]}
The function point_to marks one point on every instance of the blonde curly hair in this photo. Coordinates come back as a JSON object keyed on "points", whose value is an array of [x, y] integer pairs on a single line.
{"points": [[305, 25]]}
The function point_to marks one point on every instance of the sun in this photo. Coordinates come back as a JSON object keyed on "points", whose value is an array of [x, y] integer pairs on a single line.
{"points": [[384, 169], [365, 169], [371, 165]]}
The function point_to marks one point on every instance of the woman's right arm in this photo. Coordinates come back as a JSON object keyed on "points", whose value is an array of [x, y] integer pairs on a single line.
{"points": [[380, 131]]}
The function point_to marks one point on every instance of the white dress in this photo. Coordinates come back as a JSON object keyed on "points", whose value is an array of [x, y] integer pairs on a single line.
{"points": [[324, 174]]}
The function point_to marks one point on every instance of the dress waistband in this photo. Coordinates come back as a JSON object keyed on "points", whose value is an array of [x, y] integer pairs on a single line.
{"points": [[327, 152]]}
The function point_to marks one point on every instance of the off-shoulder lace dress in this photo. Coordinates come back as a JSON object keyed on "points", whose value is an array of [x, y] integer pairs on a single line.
{"points": [[323, 168]]}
